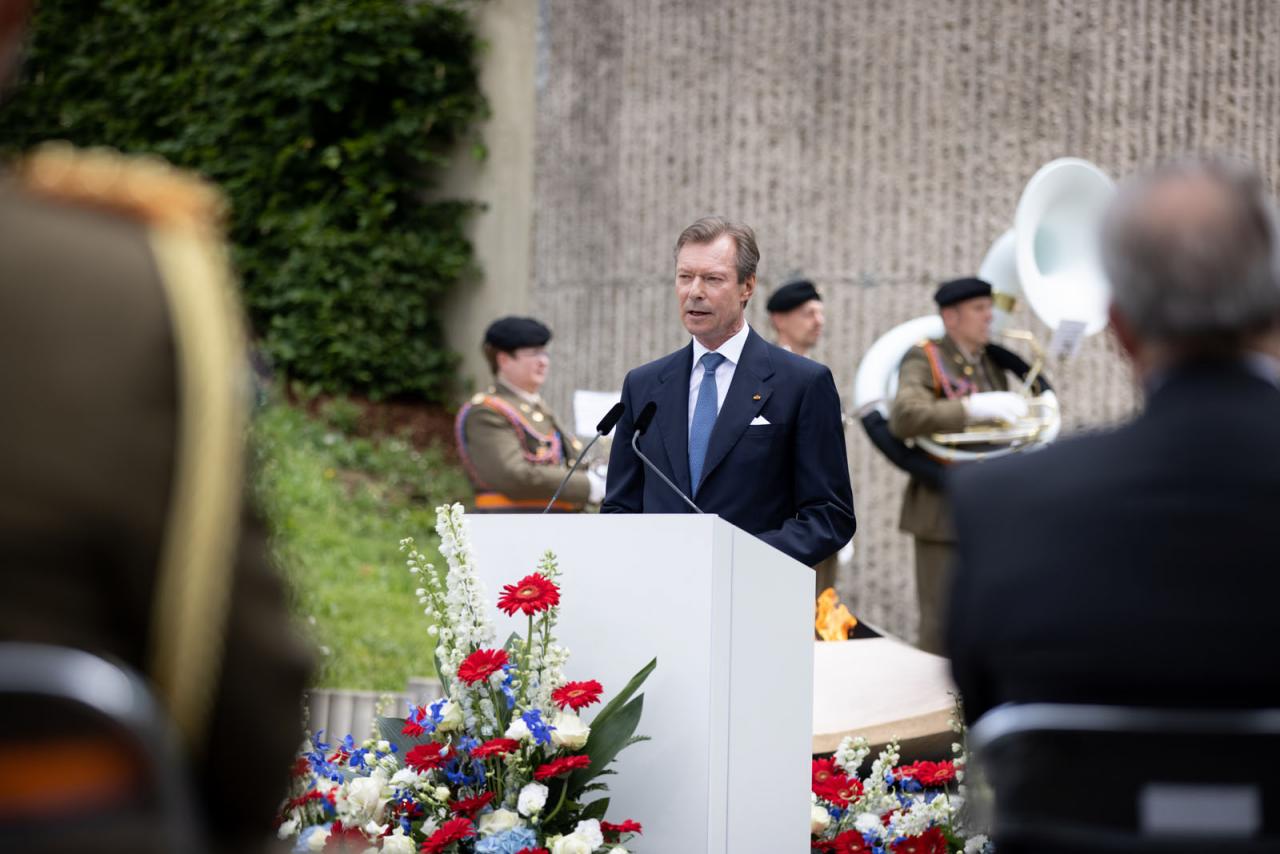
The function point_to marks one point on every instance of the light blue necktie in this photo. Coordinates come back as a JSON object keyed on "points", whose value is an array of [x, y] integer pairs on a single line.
{"points": [[704, 417]]}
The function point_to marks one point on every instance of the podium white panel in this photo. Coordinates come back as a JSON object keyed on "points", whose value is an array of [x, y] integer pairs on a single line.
{"points": [[729, 707]]}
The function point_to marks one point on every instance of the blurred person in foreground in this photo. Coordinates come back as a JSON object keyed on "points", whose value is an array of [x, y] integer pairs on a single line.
{"points": [[509, 441], [1135, 565], [123, 530]]}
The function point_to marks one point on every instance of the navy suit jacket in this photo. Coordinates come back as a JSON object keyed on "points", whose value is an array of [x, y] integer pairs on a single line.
{"points": [[786, 482]]}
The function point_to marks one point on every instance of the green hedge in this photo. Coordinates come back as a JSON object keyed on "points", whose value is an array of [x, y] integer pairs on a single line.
{"points": [[325, 122]]}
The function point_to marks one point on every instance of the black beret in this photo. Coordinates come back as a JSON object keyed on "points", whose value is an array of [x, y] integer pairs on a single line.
{"points": [[792, 295], [959, 290], [512, 333]]}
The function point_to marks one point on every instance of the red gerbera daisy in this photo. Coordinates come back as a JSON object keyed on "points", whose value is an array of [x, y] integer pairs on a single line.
{"points": [[575, 695], [533, 594], [932, 841], [611, 831], [470, 806], [928, 773], [838, 790], [481, 664], [424, 757], [495, 747], [560, 767], [849, 842], [824, 770], [533, 851], [450, 832]]}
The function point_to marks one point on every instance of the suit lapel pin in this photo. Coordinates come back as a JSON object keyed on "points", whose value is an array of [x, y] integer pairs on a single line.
{"points": [[755, 397]]}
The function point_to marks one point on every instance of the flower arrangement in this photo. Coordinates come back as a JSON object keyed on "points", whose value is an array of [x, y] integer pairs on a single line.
{"points": [[894, 809], [503, 764]]}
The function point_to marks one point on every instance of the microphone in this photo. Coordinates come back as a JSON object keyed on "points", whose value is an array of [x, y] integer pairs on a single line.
{"points": [[602, 429], [643, 420]]}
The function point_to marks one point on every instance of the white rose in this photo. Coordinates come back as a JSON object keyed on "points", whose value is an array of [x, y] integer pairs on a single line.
{"points": [[405, 778], [975, 844], [590, 831], [442, 793], [618, 849], [452, 717], [819, 819], [316, 841], [364, 800], [571, 844], [519, 730], [498, 821], [287, 828], [868, 822], [569, 731], [397, 843], [533, 798]]}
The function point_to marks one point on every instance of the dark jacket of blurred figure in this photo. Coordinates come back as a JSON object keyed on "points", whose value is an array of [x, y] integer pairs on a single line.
{"points": [[89, 447], [1136, 565]]}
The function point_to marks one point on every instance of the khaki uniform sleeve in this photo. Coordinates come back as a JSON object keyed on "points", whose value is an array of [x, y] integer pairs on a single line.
{"points": [[917, 410], [498, 458]]}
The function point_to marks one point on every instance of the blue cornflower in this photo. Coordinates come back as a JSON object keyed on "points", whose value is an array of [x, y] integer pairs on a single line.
{"points": [[910, 784], [835, 811], [506, 685], [468, 743], [541, 731]]}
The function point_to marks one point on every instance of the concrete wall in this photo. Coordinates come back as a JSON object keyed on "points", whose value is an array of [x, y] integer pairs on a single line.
{"points": [[880, 146], [501, 233]]}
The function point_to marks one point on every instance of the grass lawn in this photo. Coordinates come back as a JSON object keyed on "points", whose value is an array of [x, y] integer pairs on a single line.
{"points": [[339, 505]]}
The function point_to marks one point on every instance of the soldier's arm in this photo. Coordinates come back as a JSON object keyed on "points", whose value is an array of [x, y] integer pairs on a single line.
{"points": [[917, 410], [498, 457]]}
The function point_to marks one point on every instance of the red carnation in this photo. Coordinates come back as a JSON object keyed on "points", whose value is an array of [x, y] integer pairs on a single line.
{"points": [[470, 806], [928, 773], [495, 747], [575, 695], [932, 841], [611, 831], [560, 767], [481, 664], [838, 790], [342, 838], [533, 595], [451, 831], [424, 757]]}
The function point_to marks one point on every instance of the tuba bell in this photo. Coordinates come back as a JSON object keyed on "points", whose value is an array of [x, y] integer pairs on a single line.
{"points": [[1049, 258]]}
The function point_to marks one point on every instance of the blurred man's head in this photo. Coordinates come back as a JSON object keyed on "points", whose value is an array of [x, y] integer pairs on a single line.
{"points": [[795, 310], [715, 278], [516, 349], [967, 309], [1191, 253]]}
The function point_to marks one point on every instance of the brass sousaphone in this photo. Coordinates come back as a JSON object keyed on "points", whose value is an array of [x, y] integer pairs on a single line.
{"points": [[1050, 257]]}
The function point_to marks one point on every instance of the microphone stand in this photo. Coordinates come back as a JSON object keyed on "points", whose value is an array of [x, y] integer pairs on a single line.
{"points": [[635, 437], [574, 468]]}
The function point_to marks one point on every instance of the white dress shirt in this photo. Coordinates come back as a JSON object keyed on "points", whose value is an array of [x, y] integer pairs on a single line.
{"points": [[732, 352]]}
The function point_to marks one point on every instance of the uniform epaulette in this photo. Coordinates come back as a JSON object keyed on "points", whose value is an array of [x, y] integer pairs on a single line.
{"points": [[145, 188]]}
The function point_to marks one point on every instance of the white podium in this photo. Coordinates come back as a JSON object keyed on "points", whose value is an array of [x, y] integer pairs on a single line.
{"points": [[729, 707]]}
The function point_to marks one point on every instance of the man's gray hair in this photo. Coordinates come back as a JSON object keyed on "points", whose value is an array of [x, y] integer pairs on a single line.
{"points": [[1192, 253], [711, 228]]}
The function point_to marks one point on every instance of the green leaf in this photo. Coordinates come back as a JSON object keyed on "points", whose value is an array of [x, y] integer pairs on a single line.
{"points": [[622, 696], [595, 809], [606, 741]]}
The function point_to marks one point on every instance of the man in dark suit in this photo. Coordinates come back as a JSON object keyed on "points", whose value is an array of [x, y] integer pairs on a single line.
{"points": [[752, 433], [1136, 565]]}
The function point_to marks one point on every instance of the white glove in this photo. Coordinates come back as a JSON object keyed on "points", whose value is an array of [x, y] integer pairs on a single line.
{"points": [[597, 488], [994, 406]]}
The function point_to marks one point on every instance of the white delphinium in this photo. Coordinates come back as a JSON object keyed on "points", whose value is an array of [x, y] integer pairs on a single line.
{"points": [[851, 753], [869, 822], [921, 816], [975, 844], [877, 795]]}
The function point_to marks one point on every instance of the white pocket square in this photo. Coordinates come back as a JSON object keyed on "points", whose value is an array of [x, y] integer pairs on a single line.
{"points": [[758, 421]]}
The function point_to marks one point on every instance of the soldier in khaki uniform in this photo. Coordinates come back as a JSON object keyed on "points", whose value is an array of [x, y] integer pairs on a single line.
{"points": [[509, 440], [944, 385]]}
